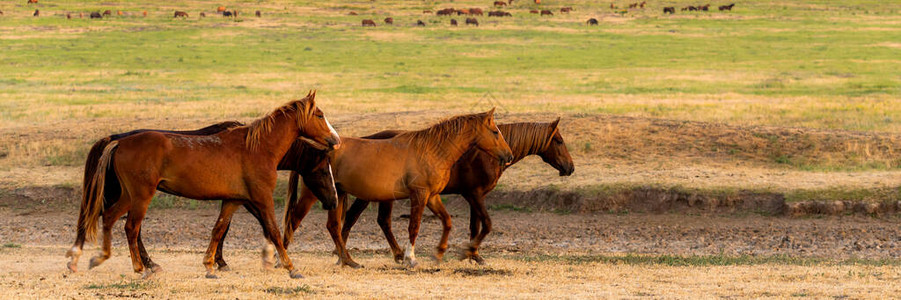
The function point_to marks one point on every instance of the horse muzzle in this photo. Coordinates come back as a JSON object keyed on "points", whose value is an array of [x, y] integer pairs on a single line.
{"points": [[568, 170]]}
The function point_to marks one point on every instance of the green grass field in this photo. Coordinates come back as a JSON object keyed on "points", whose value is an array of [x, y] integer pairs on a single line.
{"points": [[804, 63]]}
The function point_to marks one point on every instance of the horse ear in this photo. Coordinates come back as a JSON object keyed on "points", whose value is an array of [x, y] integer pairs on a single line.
{"points": [[555, 123], [312, 96]]}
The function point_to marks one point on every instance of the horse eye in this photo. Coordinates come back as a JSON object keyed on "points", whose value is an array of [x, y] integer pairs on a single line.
{"points": [[321, 116]]}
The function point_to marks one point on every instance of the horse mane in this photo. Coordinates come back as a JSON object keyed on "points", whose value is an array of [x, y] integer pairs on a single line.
{"points": [[526, 138], [434, 137], [259, 127]]}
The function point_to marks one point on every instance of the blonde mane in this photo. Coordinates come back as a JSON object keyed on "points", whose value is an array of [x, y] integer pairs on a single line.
{"points": [[301, 108], [527, 138], [433, 138]]}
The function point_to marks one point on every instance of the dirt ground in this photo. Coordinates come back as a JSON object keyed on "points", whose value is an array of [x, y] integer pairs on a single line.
{"points": [[35, 240]]}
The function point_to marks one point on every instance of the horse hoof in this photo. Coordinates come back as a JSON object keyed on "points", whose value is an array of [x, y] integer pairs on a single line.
{"points": [[399, 258], [73, 267], [156, 268], [224, 268], [410, 264], [211, 276], [353, 265], [296, 274], [478, 259], [96, 261], [148, 274]]}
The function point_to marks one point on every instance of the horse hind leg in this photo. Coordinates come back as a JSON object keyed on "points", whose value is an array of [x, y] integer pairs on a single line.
{"points": [[145, 258], [132, 232], [418, 201], [222, 223], [110, 216], [74, 253]]}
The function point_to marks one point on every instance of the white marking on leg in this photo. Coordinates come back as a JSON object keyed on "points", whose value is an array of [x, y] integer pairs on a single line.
{"points": [[410, 252]]}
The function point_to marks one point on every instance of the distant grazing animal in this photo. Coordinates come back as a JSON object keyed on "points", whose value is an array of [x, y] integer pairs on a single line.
{"points": [[472, 21], [32, 1], [727, 7], [499, 14], [453, 22], [446, 12], [68, 16], [389, 20], [643, 3], [80, 15], [670, 10], [202, 14], [566, 9], [704, 7], [612, 6], [546, 13], [369, 23], [258, 14], [227, 14], [180, 14], [534, 11], [426, 11], [537, 1], [633, 5], [37, 13], [592, 21], [108, 13], [96, 15], [476, 11], [220, 9], [463, 12], [353, 13], [500, 3], [119, 12], [235, 13], [145, 13], [420, 23]]}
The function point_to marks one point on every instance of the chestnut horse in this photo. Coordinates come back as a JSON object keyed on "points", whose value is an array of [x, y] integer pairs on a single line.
{"points": [[414, 164], [112, 190], [238, 165], [475, 175]]}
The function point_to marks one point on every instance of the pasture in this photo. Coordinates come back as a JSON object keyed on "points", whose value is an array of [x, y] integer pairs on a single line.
{"points": [[690, 115]]}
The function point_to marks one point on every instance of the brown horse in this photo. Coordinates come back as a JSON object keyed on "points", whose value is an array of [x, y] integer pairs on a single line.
{"points": [[112, 189], [414, 164], [312, 164], [180, 14], [472, 21], [237, 165], [368, 23], [475, 175]]}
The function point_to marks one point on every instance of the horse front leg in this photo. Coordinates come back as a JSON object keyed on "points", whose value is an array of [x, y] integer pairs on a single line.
{"points": [[418, 200], [437, 207], [262, 202], [335, 219], [479, 214], [384, 220]]}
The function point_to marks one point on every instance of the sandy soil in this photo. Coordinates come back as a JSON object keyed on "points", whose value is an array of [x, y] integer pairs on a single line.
{"points": [[35, 240]]}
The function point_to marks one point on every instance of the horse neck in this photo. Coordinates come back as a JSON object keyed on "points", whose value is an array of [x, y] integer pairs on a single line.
{"points": [[520, 144], [280, 136], [449, 150]]}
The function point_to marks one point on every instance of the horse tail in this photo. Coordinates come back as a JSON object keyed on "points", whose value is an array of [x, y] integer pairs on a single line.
{"points": [[92, 198], [291, 204]]}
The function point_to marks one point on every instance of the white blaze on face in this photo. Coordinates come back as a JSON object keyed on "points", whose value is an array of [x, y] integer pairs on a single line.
{"points": [[330, 128]]}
